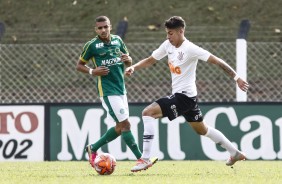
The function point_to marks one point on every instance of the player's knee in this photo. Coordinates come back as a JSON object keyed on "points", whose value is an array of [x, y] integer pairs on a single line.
{"points": [[199, 128], [201, 132], [124, 126], [147, 112]]}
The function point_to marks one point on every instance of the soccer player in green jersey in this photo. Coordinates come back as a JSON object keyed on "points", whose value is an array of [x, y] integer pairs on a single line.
{"points": [[109, 56]]}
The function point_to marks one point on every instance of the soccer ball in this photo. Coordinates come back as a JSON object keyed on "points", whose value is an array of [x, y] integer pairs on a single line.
{"points": [[105, 164]]}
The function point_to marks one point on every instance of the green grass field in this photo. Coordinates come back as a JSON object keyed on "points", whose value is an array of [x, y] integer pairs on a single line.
{"points": [[163, 172]]}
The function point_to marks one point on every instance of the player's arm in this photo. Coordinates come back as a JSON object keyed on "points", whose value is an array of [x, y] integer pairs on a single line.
{"points": [[126, 59], [242, 84], [124, 54], [141, 64], [99, 71]]}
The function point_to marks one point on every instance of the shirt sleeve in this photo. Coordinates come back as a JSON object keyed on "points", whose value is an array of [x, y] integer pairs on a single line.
{"points": [[123, 47], [199, 52], [87, 52], [160, 52]]}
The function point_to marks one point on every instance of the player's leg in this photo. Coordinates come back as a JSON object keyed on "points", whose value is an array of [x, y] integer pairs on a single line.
{"points": [[195, 117], [91, 149], [127, 136], [111, 133], [158, 109], [219, 138], [109, 136], [118, 109], [149, 115], [216, 136]]}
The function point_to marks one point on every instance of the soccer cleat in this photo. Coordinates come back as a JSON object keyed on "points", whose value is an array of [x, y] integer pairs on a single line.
{"points": [[238, 157], [92, 155], [144, 164]]}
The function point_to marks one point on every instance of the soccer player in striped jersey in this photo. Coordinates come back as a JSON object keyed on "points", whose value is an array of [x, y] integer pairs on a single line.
{"points": [[183, 57], [110, 56]]}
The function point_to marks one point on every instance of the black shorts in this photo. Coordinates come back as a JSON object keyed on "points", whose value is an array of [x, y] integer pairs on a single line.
{"points": [[180, 104]]}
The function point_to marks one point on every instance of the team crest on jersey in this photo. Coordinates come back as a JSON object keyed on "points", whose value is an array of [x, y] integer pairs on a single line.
{"points": [[180, 55], [115, 42]]}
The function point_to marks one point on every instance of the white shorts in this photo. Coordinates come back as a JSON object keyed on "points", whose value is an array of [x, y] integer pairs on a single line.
{"points": [[116, 107]]}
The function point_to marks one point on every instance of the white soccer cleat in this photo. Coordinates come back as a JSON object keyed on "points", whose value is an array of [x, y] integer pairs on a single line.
{"points": [[238, 157], [144, 164]]}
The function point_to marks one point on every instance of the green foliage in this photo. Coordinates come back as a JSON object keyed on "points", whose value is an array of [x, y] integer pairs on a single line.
{"points": [[163, 172], [49, 14], [72, 21]]}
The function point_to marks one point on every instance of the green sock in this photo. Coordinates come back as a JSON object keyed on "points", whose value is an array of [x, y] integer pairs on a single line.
{"points": [[130, 142], [110, 135]]}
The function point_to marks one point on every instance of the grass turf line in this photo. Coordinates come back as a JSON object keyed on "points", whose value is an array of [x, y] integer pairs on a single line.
{"points": [[79, 172]]}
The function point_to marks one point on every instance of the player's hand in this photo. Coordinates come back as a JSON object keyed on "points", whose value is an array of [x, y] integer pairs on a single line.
{"points": [[129, 71], [125, 58], [243, 85], [101, 70]]}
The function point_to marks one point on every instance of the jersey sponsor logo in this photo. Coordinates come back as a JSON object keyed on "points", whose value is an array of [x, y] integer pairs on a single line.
{"points": [[180, 56], [174, 69], [109, 62], [99, 45]]}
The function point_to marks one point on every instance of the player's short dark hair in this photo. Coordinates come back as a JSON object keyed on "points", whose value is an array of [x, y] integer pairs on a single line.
{"points": [[175, 22], [102, 19]]}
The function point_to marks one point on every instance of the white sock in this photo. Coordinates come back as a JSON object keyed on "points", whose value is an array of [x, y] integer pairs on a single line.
{"points": [[217, 137], [148, 135]]}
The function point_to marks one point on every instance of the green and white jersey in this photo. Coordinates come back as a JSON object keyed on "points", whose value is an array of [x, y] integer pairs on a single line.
{"points": [[107, 54]]}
